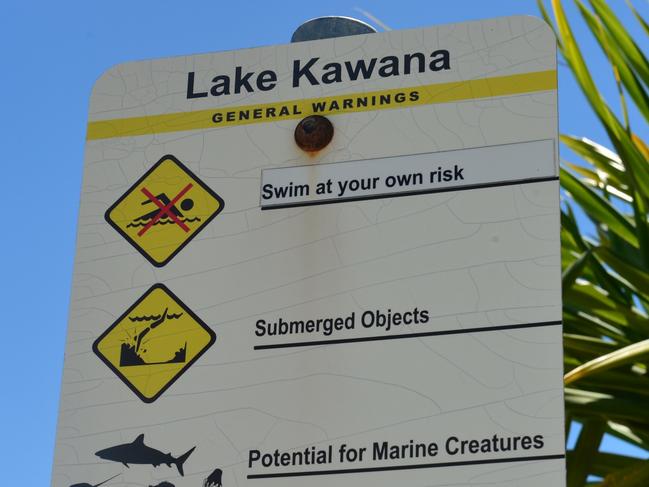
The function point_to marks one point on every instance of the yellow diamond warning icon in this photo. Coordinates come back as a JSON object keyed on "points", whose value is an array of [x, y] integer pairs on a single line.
{"points": [[164, 210], [154, 342]]}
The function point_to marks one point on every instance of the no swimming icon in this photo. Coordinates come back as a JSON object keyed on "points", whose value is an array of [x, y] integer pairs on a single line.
{"points": [[164, 210]]}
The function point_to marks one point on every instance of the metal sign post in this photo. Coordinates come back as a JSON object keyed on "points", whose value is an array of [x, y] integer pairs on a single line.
{"points": [[329, 27], [331, 262]]}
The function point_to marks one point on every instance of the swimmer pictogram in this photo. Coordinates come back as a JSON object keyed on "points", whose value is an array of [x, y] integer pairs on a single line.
{"points": [[164, 210], [167, 211]]}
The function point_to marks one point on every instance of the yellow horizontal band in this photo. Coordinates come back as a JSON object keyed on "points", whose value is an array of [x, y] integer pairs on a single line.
{"points": [[355, 102]]}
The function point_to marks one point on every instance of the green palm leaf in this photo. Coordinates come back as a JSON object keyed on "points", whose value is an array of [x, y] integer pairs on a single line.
{"points": [[606, 274]]}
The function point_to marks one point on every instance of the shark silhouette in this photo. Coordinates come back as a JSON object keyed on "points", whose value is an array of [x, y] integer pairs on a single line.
{"points": [[84, 484], [138, 453]]}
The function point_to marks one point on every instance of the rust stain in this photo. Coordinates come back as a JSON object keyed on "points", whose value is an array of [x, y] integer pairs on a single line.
{"points": [[313, 133]]}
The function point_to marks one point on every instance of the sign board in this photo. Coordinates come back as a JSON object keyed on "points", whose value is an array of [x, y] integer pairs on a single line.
{"points": [[384, 311], [149, 365], [171, 220]]}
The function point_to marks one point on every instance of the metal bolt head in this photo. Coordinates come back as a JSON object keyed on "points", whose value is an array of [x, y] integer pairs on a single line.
{"points": [[313, 133]]}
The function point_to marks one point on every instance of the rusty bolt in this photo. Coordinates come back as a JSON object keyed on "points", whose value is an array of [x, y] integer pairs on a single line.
{"points": [[313, 133]]}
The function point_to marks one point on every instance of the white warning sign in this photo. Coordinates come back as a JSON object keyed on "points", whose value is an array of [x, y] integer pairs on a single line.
{"points": [[366, 297]]}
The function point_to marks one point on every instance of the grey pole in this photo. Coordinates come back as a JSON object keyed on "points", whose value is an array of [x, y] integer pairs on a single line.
{"points": [[314, 132], [328, 27]]}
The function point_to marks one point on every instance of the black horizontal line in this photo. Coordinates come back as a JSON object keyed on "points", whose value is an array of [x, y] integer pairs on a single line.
{"points": [[458, 331], [410, 193], [404, 467]]}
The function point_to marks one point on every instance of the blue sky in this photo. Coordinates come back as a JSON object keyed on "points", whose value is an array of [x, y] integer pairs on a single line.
{"points": [[52, 53]]}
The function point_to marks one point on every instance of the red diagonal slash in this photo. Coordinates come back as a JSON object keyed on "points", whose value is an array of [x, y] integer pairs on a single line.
{"points": [[165, 210]]}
